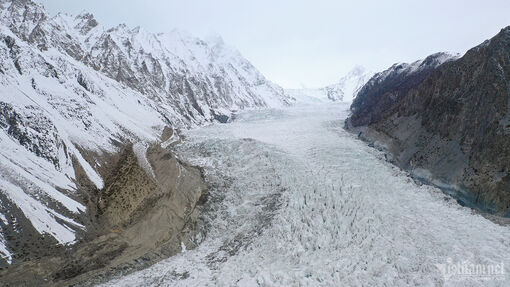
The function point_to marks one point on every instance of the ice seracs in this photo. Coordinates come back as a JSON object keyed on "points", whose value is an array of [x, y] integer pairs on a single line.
{"points": [[308, 204]]}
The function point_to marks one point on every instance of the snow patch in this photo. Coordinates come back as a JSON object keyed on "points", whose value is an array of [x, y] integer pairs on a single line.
{"points": [[174, 138], [42, 218], [4, 252], [140, 150]]}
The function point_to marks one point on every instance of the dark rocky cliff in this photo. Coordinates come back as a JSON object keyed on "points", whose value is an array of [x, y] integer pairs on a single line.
{"points": [[448, 123]]}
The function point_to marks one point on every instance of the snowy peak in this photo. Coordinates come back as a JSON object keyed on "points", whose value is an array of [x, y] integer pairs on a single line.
{"points": [[348, 86], [430, 62], [22, 16], [357, 71], [344, 90], [85, 22]]}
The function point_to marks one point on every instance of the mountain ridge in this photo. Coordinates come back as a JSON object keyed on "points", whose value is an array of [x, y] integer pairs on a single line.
{"points": [[448, 124], [74, 93]]}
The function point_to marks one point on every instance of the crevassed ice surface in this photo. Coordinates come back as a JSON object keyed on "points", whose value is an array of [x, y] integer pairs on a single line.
{"points": [[298, 201]]}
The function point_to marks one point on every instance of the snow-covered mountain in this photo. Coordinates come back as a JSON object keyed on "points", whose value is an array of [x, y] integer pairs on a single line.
{"points": [[344, 90], [72, 90]]}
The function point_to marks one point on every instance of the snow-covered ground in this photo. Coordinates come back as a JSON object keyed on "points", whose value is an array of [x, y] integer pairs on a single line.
{"points": [[297, 201]]}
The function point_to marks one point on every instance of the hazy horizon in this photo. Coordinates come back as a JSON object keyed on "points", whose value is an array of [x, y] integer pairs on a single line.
{"points": [[304, 44]]}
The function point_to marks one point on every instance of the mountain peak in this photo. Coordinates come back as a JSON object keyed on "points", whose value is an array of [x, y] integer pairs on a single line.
{"points": [[357, 70], [84, 14], [344, 90], [438, 58], [214, 40], [25, 12], [85, 22]]}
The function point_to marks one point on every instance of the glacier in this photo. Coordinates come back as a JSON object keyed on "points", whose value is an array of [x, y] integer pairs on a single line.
{"points": [[296, 200]]}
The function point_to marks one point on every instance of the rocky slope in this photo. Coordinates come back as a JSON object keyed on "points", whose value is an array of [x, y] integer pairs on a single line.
{"points": [[75, 96], [343, 91], [447, 120], [139, 218]]}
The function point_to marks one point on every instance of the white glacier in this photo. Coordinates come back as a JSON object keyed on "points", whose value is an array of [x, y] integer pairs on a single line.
{"points": [[301, 202]]}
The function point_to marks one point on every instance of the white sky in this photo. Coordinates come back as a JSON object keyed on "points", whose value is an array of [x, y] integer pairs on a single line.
{"points": [[299, 43]]}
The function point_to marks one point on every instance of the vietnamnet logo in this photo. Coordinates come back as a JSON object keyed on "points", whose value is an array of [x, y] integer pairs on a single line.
{"points": [[469, 271]]}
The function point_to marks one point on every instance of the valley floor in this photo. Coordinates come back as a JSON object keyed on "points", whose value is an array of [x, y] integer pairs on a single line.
{"points": [[297, 201]]}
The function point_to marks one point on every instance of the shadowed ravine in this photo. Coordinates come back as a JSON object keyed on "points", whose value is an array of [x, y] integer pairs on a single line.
{"points": [[297, 200]]}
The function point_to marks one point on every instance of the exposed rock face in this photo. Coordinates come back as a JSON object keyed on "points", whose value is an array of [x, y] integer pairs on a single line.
{"points": [[385, 88], [447, 122], [139, 217]]}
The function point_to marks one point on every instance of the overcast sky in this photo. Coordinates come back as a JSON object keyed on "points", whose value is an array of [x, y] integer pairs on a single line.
{"points": [[313, 43]]}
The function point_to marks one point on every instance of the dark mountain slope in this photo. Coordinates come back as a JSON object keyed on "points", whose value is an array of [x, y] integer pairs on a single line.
{"points": [[449, 124]]}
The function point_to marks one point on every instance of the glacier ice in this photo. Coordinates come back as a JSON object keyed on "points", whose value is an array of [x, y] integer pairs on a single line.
{"points": [[298, 201]]}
